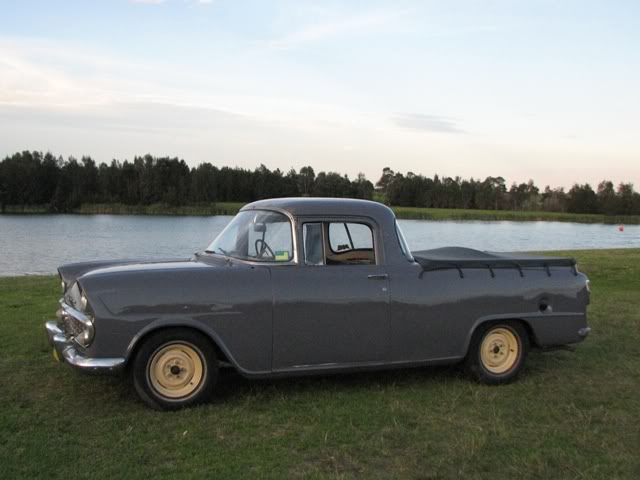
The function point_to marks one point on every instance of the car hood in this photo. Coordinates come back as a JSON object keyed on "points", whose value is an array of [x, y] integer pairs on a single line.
{"points": [[70, 272]]}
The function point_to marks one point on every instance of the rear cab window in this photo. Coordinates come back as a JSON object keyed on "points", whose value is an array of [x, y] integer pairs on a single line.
{"points": [[338, 243]]}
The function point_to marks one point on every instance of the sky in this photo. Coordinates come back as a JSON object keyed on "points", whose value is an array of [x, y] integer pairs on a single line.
{"points": [[542, 90]]}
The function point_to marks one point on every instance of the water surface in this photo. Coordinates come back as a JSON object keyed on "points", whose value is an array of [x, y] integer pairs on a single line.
{"points": [[37, 244]]}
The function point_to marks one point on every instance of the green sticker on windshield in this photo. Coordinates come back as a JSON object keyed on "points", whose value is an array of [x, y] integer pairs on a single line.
{"points": [[282, 255]]}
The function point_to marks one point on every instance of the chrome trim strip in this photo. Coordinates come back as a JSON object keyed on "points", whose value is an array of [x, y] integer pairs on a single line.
{"points": [[77, 314]]}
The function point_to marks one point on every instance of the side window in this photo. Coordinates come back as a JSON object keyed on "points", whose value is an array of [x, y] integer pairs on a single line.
{"points": [[350, 244], [312, 240]]}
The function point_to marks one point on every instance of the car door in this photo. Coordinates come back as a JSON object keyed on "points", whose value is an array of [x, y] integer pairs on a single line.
{"points": [[332, 310]]}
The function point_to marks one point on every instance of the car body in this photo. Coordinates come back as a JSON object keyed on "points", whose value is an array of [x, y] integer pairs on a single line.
{"points": [[317, 286]]}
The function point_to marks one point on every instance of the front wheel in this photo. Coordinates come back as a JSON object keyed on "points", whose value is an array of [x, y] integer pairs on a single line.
{"points": [[497, 352], [175, 368]]}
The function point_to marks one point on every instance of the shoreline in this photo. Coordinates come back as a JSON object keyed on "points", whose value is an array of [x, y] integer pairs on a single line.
{"points": [[403, 213]]}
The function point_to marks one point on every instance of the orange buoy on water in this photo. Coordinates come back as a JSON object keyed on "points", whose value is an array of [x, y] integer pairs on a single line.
{"points": [[621, 228]]}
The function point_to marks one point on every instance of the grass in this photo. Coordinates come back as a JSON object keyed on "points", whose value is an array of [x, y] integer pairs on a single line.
{"points": [[571, 415], [415, 213], [408, 213]]}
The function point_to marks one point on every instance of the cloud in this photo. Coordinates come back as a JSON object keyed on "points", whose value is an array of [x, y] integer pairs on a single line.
{"points": [[129, 117], [54, 76], [45, 73], [428, 123], [337, 27]]}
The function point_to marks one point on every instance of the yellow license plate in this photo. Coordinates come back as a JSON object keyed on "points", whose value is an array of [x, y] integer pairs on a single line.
{"points": [[56, 357]]}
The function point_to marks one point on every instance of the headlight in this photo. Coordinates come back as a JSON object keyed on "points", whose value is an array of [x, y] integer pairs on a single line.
{"points": [[85, 338]]}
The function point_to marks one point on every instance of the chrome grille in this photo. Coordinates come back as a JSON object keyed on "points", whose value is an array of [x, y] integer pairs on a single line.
{"points": [[71, 325], [75, 324]]}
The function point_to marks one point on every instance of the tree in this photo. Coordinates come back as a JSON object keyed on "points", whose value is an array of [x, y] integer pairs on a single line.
{"points": [[331, 184], [628, 200], [554, 200], [491, 193], [385, 179], [606, 198], [582, 199], [31, 178], [362, 188], [306, 180]]}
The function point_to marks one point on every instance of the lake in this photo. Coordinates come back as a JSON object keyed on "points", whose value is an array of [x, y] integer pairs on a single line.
{"points": [[37, 244]]}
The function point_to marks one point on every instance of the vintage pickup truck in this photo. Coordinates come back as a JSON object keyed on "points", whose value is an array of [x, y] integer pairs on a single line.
{"points": [[308, 286]]}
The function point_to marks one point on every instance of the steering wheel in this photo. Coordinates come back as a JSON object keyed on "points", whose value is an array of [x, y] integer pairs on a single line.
{"points": [[260, 250]]}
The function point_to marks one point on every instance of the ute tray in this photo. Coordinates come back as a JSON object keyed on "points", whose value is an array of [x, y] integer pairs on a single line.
{"points": [[461, 258]]}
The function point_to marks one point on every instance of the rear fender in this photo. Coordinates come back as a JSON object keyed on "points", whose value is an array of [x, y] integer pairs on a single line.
{"points": [[479, 323], [545, 329]]}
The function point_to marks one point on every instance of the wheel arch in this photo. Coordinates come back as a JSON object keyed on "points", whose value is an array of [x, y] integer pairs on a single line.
{"points": [[222, 352], [494, 319]]}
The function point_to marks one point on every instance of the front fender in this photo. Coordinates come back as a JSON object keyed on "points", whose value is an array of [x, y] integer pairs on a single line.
{"points": [[231, 305], [192, 324]]}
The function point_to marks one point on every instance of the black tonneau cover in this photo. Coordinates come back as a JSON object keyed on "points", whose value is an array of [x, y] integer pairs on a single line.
{"points": [[459, 258]]}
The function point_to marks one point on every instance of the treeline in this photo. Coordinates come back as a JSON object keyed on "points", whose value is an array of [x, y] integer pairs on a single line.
{"points": [[33, 178], [492, 193], [36, 179]]}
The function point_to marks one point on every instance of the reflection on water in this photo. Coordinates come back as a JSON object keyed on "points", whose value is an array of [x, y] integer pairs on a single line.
{"points": [[33, 244]]}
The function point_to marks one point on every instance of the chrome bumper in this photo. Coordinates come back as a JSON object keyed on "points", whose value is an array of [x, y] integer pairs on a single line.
{"points": [[66, 351], [584, 332]]}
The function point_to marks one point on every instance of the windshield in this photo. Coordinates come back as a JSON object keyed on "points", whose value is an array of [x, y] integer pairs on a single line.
{"points": [[256, 235]]}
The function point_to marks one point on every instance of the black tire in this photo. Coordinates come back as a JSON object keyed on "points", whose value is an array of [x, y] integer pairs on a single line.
{"points": [[193, 357], [488, 368]]}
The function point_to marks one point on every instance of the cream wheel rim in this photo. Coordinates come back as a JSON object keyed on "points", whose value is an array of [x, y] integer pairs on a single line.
{"points": [[176, 370], [499, 350]]}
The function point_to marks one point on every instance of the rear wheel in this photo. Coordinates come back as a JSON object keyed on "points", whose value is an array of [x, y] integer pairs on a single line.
{"points": [[175, 368], [497, 352]]}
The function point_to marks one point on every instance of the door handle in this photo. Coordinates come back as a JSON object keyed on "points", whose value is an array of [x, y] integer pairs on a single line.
{"points": [[381, 276]]}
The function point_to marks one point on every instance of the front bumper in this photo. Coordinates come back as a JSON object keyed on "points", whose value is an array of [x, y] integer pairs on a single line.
{"points": [[65, 350]]}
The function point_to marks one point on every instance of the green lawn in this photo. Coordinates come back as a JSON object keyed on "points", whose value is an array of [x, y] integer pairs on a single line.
{"points": [[415, 213], [407, 213], [571, 415]]}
